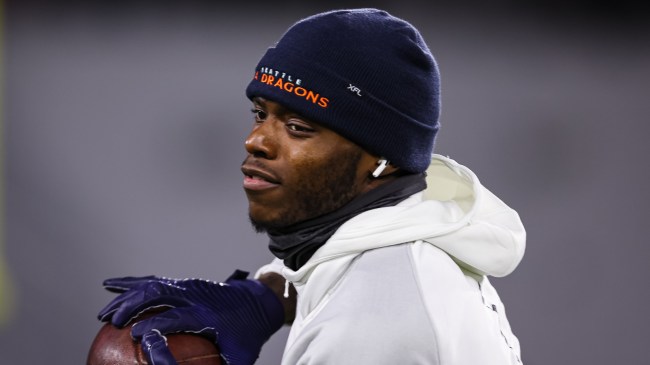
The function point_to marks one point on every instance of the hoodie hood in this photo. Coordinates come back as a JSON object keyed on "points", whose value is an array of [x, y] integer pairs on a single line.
{"points": [[455, 213], [486, 236]]}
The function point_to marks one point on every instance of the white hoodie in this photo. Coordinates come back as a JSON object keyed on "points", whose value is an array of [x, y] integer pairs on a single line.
{"points": [[408, 284]]}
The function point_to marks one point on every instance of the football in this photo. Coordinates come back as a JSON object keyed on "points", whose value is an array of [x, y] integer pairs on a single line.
{"points": [[114, 346]]}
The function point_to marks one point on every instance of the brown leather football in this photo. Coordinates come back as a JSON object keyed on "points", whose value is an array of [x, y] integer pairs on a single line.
{"points": [[114, 346]]}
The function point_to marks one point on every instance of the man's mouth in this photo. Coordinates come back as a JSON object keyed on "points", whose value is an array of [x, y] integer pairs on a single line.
{"points": [[257, 179]]}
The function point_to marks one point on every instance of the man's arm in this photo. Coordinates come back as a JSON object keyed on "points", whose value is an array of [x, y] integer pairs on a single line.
{"points": [[277, 284]]}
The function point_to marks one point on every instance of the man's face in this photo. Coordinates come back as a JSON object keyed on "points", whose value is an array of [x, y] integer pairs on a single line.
{"points": [[297, 169]]}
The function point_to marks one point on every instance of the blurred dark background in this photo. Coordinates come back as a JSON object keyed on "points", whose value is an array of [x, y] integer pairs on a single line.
{"points": [[123, 127]]}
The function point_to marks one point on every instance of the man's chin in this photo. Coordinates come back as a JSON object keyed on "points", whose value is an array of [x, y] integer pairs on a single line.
{"points": [[258, 226], [266, 226]]}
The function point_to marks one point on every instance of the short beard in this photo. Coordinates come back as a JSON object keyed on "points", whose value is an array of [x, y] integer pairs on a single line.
{"points": [[257, 226], [322, 192]]}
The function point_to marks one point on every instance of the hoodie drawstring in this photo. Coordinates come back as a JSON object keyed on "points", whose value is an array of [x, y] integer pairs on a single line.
{"points": [[286, 288]]}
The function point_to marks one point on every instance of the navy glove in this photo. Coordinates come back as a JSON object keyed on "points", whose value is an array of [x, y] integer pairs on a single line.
{"points": [[239, 315]]}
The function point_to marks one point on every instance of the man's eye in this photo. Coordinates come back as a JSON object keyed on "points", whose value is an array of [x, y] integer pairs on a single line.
{"points": [[259, 114], [294, 127]]}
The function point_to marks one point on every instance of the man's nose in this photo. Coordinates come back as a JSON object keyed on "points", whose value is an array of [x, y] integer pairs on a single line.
{"points": [[262, 141]]}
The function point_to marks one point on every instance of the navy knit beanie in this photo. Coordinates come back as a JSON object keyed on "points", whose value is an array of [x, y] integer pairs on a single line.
{"points": [[362, 73]]}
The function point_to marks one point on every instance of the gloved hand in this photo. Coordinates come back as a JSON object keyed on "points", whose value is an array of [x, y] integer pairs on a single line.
{"points": [[239, 315]]}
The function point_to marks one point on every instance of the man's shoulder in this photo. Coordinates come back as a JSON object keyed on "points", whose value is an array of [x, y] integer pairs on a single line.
{"points": [[414, 282], [406, 262], [400, 278]]}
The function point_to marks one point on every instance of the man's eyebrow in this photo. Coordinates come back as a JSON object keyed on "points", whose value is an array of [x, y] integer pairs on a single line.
{"points": [[280, 109]]}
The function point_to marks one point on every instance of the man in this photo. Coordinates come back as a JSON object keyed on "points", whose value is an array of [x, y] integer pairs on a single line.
{"points": [[383, 249]]}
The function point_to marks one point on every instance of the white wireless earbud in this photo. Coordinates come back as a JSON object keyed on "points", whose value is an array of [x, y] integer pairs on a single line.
{"points": [[382, 165]]}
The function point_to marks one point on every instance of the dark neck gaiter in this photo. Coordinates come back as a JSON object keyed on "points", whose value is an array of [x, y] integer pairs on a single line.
{"points": [[297, 243]]}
